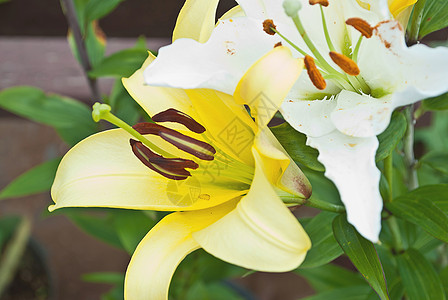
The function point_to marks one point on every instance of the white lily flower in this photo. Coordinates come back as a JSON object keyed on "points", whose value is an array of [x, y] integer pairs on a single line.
{"points": [[350, 97]]}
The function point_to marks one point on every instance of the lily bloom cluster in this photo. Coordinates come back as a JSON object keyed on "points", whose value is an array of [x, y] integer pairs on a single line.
{"points": [[359, 70], [220, 170]]}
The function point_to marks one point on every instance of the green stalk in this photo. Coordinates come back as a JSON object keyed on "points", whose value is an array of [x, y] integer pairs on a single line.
{"points": [[322, 205], [13, 254]]}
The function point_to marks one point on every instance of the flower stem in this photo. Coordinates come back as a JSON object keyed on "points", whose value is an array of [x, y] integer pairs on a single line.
{"points": [[73, 23], [393, 226], [408, 145], [417, 17]]}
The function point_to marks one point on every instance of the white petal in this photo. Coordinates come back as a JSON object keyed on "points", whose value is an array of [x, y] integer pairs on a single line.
{"points": [[413, 73], [309, 117], [361, 115], [218, 64], [350, 164]]}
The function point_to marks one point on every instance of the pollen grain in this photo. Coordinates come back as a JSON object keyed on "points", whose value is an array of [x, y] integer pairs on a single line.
{"points": [[316, 77]]}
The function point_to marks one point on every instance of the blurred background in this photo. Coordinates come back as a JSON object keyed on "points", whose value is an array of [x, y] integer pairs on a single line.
{"points": [[34, 52]]}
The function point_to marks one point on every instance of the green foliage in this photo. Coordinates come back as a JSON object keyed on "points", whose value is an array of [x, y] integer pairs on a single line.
{"points": [[325, 248], [330, 277], [35, 180], [345, 293], [97, 9], [120, 64], [423, 212], [390, 138], [436, 103], [437, 161], [8, 225], [123, 105], [419, 278], [362, 253], [72, 119], [294, 143], [215, 291], [434, 17]]}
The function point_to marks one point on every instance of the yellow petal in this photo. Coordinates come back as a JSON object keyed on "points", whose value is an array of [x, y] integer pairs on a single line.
{"points": [[267, 82], [156, 99], [234, 12], [159, 253], [227, 122], [363, 4], [196, 20], [260, 234], [398, 6], [102, 171]]}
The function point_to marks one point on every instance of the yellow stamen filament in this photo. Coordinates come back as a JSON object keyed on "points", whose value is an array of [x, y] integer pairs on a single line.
{"points": [[316, 77], [269, 26], [345, 63], [320, 2], [362, 26]]}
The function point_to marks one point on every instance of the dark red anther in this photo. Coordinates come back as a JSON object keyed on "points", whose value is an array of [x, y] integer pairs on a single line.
{"points": [[173, 115], [185, 143], [172, 168]]}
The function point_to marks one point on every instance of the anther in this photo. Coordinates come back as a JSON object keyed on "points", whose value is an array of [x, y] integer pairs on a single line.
{"points": [[362, 26], [320, 2], [183, 142], [279, 44], [173, 115], [172, 168], [345, 63], [316, 77], [269, 26]]}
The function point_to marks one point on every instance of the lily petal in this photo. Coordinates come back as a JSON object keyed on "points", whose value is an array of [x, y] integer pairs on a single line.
{"points": [[260, 221], [234, 12], [217, 64], [398, 6], [361, 115], [159, 253], [196, 20], [102, 171], [350, 163], [265, 85]]}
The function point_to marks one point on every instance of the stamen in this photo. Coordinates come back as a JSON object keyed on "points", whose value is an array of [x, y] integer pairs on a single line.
{"points": [[183, 142], [279, 44], [173, 115], [362, 26], [320, 2], [327, 35], [172, 168], [269, 26], [345, 63], [316, 77]]}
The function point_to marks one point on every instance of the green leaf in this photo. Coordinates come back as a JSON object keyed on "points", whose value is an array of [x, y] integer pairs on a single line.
{"points": [[329, 277], [131, 226], [323, 188], [325, 247], [8, 225], [422, 212], [390, 138], [436, 103], [437, 161], [346, 293], [434, 17], [101, 225], [362, 254], [36, 180], [104, 277], [419, 278], [444, 278], [294, 143], [123, 105], [210, 292], [71, 118], [97, 9], [120, 64]]}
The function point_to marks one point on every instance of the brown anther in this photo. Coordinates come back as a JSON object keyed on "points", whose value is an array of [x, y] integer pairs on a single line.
{"points": [[320, 2], [183, 142], [269, 26], [173, 115], [316, 77], [362, 26], [172, 168], [279, 44], [345, 63]]}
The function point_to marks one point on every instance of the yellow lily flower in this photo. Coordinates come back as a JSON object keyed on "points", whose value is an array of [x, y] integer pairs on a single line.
{"points": [[400, 9], [228, 204]]}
